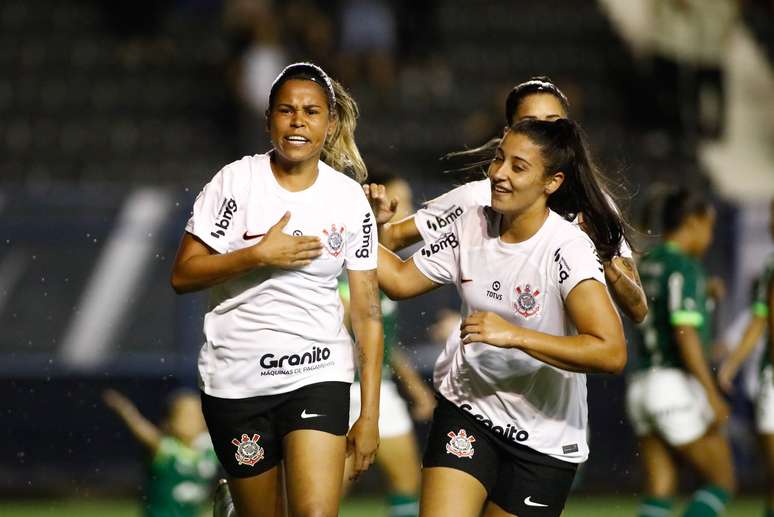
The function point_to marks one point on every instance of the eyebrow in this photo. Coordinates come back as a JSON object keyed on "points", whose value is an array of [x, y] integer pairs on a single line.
{"points": [[519, 158], [293, 106]]}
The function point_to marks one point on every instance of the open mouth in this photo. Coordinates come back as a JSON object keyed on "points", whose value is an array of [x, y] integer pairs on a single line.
{"points": [[296, 140], [500, 189]]}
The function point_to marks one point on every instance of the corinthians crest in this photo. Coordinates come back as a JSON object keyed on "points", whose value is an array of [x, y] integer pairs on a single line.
{"points": [[526, 303], [335, 241], [248, 451], [460, 444]]}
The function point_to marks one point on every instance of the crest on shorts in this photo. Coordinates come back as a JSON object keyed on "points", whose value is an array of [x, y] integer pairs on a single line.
{"points": [[335, 241], [460, 444], [248, 451], [526, 303]]}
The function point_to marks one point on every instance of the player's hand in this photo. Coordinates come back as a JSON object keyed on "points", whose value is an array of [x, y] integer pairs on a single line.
{"points": [[278, 249], [362, 442], [721, 409], [384, 209], [487, 327], [423, 405], [726, 374], [115, 400], [716, 288]]}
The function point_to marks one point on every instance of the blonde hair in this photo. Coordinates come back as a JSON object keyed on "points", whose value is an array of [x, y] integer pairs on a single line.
{"points": [[340, 149]]}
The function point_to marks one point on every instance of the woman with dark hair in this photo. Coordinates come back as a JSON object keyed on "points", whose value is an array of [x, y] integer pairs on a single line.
{"points": [[269, 236], [510, 426], [672, 400]]}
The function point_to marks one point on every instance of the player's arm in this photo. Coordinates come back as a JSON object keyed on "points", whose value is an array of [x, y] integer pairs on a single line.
{"points": [[197, 266], [599, 346], [141, 428], [623, 282], [397, 235], [692, 354], [401, 279], [422, 398], [366, 320], [730, 366]]}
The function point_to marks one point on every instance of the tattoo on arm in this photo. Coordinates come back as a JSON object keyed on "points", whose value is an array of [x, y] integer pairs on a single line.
{"points": [[374, 307]]}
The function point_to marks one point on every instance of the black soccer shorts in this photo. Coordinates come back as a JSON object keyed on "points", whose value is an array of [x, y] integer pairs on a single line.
{"points": [[247, 433], [520, 480]]}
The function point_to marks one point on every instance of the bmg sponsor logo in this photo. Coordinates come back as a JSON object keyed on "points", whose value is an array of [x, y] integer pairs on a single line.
{"points": [[295, 363], [509, 432], [365, 244], [225, 217], [564, 267], [446, 218], [447, 240]]}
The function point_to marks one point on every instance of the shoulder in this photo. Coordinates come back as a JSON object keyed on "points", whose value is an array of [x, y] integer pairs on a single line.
{"points": [[563, 233], [337, 179]]}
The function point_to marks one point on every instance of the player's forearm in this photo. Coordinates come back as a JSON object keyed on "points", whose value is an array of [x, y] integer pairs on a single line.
{"points": [[141, 428], [750, 338], [370, 347], [398, 235], [624, 286], [582, 353], [406, 373], [692, 354], [203, 271]]}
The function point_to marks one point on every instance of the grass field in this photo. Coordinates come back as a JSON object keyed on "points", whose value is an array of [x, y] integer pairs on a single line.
{"points": [[579, 506]]}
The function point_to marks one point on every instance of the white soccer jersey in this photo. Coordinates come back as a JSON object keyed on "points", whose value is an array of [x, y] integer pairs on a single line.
{"points": [[437, 216], [519, 397], [274, 331]]}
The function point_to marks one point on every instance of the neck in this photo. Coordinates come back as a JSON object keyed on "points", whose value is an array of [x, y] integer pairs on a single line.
{"points": [[294, 177], [520, 227], [681, 239]]}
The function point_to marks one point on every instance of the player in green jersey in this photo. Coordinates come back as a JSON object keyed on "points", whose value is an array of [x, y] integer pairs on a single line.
{"points": [[672, 400], [182, 464], [398, 455], [761, 323]]}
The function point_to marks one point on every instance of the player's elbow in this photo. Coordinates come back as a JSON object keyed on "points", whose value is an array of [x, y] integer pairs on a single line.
{"points": [[178, 283], [639, 311], [615, 358]]}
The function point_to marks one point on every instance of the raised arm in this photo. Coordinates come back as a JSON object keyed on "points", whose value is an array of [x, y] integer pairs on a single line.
{"points": [[401, 279], [141, 428], [366, 319], [623, 282], [198, 267], [600, 345]]}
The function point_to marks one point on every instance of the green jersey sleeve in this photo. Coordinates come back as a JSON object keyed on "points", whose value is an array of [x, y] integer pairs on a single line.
{"points": [[760, 305]]}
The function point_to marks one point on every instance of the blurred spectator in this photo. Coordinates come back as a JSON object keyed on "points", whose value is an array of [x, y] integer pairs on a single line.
{"points": [[257, 58], [368, 42], [689, 43]]}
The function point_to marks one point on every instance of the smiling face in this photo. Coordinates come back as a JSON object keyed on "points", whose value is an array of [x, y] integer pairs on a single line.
{"points": [[518, 176], [299, 121], [539, 106]]}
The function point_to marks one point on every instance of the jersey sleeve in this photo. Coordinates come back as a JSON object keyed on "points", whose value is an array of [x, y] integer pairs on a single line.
{"points": [[217, 212], [361, 235], [683, 297], [575, 262], [439, 260], [760, 302], [437, 215]]}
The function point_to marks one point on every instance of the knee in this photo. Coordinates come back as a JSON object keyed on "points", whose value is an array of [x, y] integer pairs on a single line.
{"points": [[316, 512]]}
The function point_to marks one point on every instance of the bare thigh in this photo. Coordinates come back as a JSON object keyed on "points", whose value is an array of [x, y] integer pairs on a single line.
{"points": [[314, 465], [659, 466], [258, 496], [492, 510], [450, 492], [398, 457], [710, 455]]}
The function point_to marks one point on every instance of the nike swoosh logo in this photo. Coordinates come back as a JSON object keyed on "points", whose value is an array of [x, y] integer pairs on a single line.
{"points": [[529, 502], [305, 415], [464, 280], [247, 236]]}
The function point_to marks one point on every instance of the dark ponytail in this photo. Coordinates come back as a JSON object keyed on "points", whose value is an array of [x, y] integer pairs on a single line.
{"points": [[477, 160], [583, 191]]}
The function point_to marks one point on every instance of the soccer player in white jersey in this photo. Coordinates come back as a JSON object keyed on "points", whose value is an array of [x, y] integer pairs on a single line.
{"points": [[510, 427], [269, 236]]}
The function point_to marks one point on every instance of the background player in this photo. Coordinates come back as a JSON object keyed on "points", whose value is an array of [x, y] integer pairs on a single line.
{"points": [[672, 400], [181, 462], [277, 363], [510, 427], [398, 456], [538, 99], [760, 325]]}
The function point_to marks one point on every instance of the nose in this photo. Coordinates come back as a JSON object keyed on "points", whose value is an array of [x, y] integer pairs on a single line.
{"points": [[297, 120], [497, 171]]}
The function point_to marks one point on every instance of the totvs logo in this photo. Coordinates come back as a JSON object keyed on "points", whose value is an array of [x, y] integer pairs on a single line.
{"points": [[225, 216], [365, 245]]}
